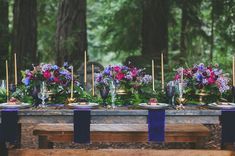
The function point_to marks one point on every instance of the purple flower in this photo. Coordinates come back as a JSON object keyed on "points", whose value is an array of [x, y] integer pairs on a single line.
{"points": [[26, 81], [65, 64], [128, 77], [46, 67], [55, 67], [146, 79], [107, 70]]}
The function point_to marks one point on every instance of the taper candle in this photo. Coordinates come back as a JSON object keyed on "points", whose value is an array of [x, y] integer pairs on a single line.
{"points": [[71, 82], [233, 71], [162, 67], [85, 71], [153, 75], [7, 81], [93, 80], [182, 75], [15, 63]]}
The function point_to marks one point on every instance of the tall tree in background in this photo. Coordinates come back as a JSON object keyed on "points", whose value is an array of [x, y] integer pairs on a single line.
{"points": [[155, 28], [25, 32], [4, 35], [71, 35]]}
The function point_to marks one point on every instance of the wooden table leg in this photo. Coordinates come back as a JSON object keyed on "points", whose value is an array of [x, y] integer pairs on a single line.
{"points": [[227, 146], [43, 143]]}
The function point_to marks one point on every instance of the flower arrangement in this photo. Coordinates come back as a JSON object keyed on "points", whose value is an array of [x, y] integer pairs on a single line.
{"points": [[53, 75], [131, 77], [201, 76]]}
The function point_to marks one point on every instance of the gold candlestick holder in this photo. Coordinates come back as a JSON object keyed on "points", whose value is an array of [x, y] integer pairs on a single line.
{"points": [[202, 94], [71, 100], [181, 100]]}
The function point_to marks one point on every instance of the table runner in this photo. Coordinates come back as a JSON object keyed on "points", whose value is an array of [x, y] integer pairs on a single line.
{"points": [[228, 126], [156, 125], [81, 120]]}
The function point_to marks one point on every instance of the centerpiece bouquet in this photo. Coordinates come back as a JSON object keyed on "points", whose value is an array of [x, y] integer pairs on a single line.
{"points": [[209, 79], [57, 79], [125, 80], [130, 78]]}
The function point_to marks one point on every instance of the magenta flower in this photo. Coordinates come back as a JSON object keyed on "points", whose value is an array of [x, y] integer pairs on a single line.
{"points": [[120, 76], [47, 74]]}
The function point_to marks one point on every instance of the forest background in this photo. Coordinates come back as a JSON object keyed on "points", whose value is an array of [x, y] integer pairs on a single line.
{"points": [[117, 31]]}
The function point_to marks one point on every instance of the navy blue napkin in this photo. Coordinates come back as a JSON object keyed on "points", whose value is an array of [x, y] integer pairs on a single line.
{"points": [[9, 129], [81, 121], [228, 126], [156, 125]]}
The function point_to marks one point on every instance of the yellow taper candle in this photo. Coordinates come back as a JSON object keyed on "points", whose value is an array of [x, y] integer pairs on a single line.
{"points": [[233, 71], [71, 82], [85, 72], [153, 75], [162, 67], [182, 75], [15, 63], [93, 80], [7, 81]]}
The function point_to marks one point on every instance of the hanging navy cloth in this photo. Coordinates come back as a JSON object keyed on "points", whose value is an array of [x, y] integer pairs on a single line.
{"points": [[81, 121], [9, 129], [156, 125], [228, 126]]}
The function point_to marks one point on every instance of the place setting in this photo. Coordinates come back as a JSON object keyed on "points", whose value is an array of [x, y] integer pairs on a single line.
{"points": [[9, 89]]}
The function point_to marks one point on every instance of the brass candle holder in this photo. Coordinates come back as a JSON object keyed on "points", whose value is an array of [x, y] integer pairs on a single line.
{"points": [[202, 94], [71, 100], [181, 100]]}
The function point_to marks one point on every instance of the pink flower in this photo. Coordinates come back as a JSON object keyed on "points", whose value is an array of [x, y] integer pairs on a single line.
{"points": [[47, 74], [120, 76], [211, 80], [134, 72], [117, 69], [177, 77], [56, 79]]}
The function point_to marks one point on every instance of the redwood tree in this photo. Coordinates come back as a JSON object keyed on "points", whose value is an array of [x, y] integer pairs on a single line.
{"points": [[25, 32], [71, 35], [4, 35], [155, 28]]}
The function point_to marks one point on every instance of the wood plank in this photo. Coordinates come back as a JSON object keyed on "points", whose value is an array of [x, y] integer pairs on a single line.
{"points": [[118, 152], [64, 128], [122, 132]]}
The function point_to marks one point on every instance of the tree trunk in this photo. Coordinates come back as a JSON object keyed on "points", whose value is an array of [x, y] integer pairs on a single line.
{"points": [[4, 36], [25, 33], [71, 35], [155, 28], [212, 30], [184, 30]]}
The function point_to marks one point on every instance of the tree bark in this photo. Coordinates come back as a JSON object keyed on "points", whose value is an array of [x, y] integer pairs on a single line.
{"points": [[4, 36], [184, 29], [71, 35], [212, 30], [25, 33], [155, 28]]}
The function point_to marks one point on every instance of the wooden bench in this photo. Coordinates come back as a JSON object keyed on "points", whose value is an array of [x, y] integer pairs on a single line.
{"points": [[106, 133], [118, 152]]}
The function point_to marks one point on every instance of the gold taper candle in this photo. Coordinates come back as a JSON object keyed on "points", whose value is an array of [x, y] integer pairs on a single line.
{"points": [[153, 75], [71, 82], [93, 80], [233, 71], [15, 63], [85, 72], [182, 75], [7, 81], [162, 67]]}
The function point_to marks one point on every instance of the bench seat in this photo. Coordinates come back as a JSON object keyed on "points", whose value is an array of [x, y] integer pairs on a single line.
{"points": [[106, 133]]}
